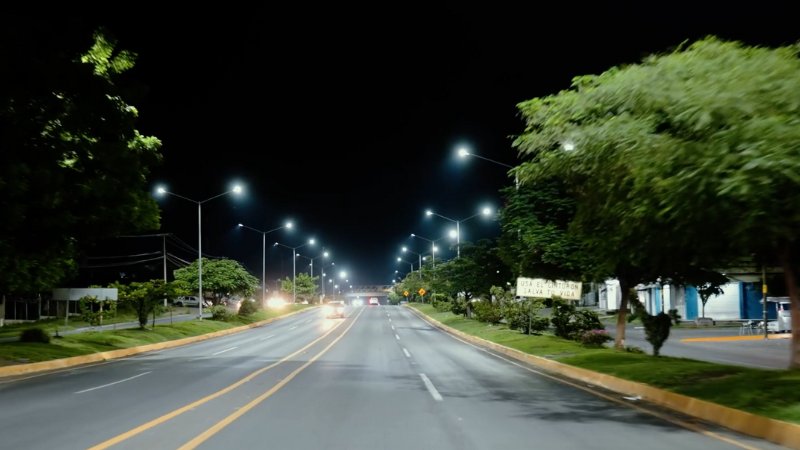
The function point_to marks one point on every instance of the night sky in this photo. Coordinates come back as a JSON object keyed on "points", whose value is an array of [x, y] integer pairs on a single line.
{"points": [[347, 119]]}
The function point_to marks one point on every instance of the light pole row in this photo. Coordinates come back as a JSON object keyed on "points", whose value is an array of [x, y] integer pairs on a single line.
{"points": [[237, 189]]}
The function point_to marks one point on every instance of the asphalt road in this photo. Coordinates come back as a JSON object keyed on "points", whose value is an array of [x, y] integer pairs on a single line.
{"points": [[379, 379], [759, 353]]}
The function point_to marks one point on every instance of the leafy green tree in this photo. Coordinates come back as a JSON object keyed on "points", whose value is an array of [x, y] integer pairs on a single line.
{"points": [[73, 167], [222, 277], [475, 272], [306, 289], [146, 297], [676, 167], [535, 239]]}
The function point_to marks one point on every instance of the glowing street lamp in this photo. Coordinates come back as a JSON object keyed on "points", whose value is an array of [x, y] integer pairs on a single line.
{"points": [[264, 234], [485, 212], [236, 189], [463, 153]]}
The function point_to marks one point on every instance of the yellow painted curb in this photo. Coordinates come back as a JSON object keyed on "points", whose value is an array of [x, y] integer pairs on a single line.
{"points": [[777, 431], [24, 369]]}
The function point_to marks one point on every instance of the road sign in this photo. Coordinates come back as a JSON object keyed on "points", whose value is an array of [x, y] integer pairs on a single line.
{"points": [[405, 293], [421, 291]]}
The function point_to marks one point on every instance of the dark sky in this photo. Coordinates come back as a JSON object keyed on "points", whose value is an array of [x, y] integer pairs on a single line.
{"points": [[347, 120]]}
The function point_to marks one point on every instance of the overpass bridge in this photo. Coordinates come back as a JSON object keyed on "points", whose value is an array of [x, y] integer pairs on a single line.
{"points": [[364, 292]]}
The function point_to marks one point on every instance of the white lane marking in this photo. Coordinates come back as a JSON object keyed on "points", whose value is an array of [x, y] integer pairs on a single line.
{"points": [[223, 351], [408, 355], [392, 327], [390, 319], [266, 337], [290, 329], [397, 337], [431, 388], [116, 382]]}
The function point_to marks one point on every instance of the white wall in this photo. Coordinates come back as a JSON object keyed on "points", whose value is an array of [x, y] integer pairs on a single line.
{"points": [[722, 307]]}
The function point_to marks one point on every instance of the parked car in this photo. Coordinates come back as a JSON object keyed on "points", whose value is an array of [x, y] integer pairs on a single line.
{"points": [[189, 300]]}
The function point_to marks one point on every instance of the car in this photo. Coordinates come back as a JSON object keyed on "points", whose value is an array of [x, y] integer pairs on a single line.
{"points": [[373, 301], [334, 309], [189, 300]]}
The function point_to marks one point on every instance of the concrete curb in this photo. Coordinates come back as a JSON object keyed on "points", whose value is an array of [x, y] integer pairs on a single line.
{"points": [[43, 366], [777, 431]]}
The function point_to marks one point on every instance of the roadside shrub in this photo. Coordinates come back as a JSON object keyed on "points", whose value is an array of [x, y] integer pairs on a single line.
{"points": [[443, 306], [570, 323], [247, 307], [517, 316], [486, 311], [34, 335], [595, 338], [220, 313], [459, 306]]}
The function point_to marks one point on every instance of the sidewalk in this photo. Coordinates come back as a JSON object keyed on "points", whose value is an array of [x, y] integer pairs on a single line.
{"points": [[118, 326]]}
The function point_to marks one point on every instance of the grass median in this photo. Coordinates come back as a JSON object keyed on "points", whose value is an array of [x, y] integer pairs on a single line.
{"points": [[770, 393], [101, 341]]}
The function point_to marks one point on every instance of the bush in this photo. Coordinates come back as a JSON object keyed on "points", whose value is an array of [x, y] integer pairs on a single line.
{"points": [[220, 313], [34, 335], [570, 323], [459, 306], [595, 338], [486, 311], [517, 316], [247, 307]]}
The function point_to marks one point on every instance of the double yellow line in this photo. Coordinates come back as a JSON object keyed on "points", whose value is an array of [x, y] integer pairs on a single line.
{"points": [[228, 420]]}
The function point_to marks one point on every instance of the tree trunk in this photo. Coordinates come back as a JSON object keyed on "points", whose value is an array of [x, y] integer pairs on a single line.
{"points": [[622, 313], [790, 276]]}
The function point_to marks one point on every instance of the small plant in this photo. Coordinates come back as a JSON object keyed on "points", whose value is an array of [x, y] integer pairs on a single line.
{"points": [[220, 313], [595, 338], [486, 311], [247, 307], [633, 349], [34, 335]]}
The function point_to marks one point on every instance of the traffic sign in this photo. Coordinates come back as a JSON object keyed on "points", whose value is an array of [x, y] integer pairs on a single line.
{"points": [[421, 291], [405, 293]]}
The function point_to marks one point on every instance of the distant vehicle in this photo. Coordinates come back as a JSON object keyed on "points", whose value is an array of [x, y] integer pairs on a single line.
{"points": [[334, 310], [189, 300], [783, 313], [373, 301]]}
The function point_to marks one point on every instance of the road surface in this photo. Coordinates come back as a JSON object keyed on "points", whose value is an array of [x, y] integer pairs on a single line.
{"points": [[381, 378]]}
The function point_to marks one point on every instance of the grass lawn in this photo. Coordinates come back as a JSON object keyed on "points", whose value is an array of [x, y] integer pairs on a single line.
{"points": [[100, 341], [771, 393]]}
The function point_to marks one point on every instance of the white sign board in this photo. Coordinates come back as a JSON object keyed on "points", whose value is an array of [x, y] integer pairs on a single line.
{"points": [[541, 288], [75, 294]]}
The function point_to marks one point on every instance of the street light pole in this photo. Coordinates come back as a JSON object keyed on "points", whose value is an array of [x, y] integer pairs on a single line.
{"points": [[294, 266], [237, 189], [463, 152], [419, 256], [264, 254], [485, 212]]}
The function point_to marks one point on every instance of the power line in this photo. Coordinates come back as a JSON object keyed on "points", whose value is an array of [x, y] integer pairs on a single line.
{"points": [[122, 264], [124, 256]]}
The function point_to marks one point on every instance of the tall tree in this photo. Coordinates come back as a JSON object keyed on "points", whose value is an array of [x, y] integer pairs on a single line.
{"points": [[73, 167], [676, 167], [222, 277], [306, 289]]}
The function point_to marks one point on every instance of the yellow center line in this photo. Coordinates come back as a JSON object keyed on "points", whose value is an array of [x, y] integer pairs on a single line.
{"points": [[216, 428], [171, 415]]}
